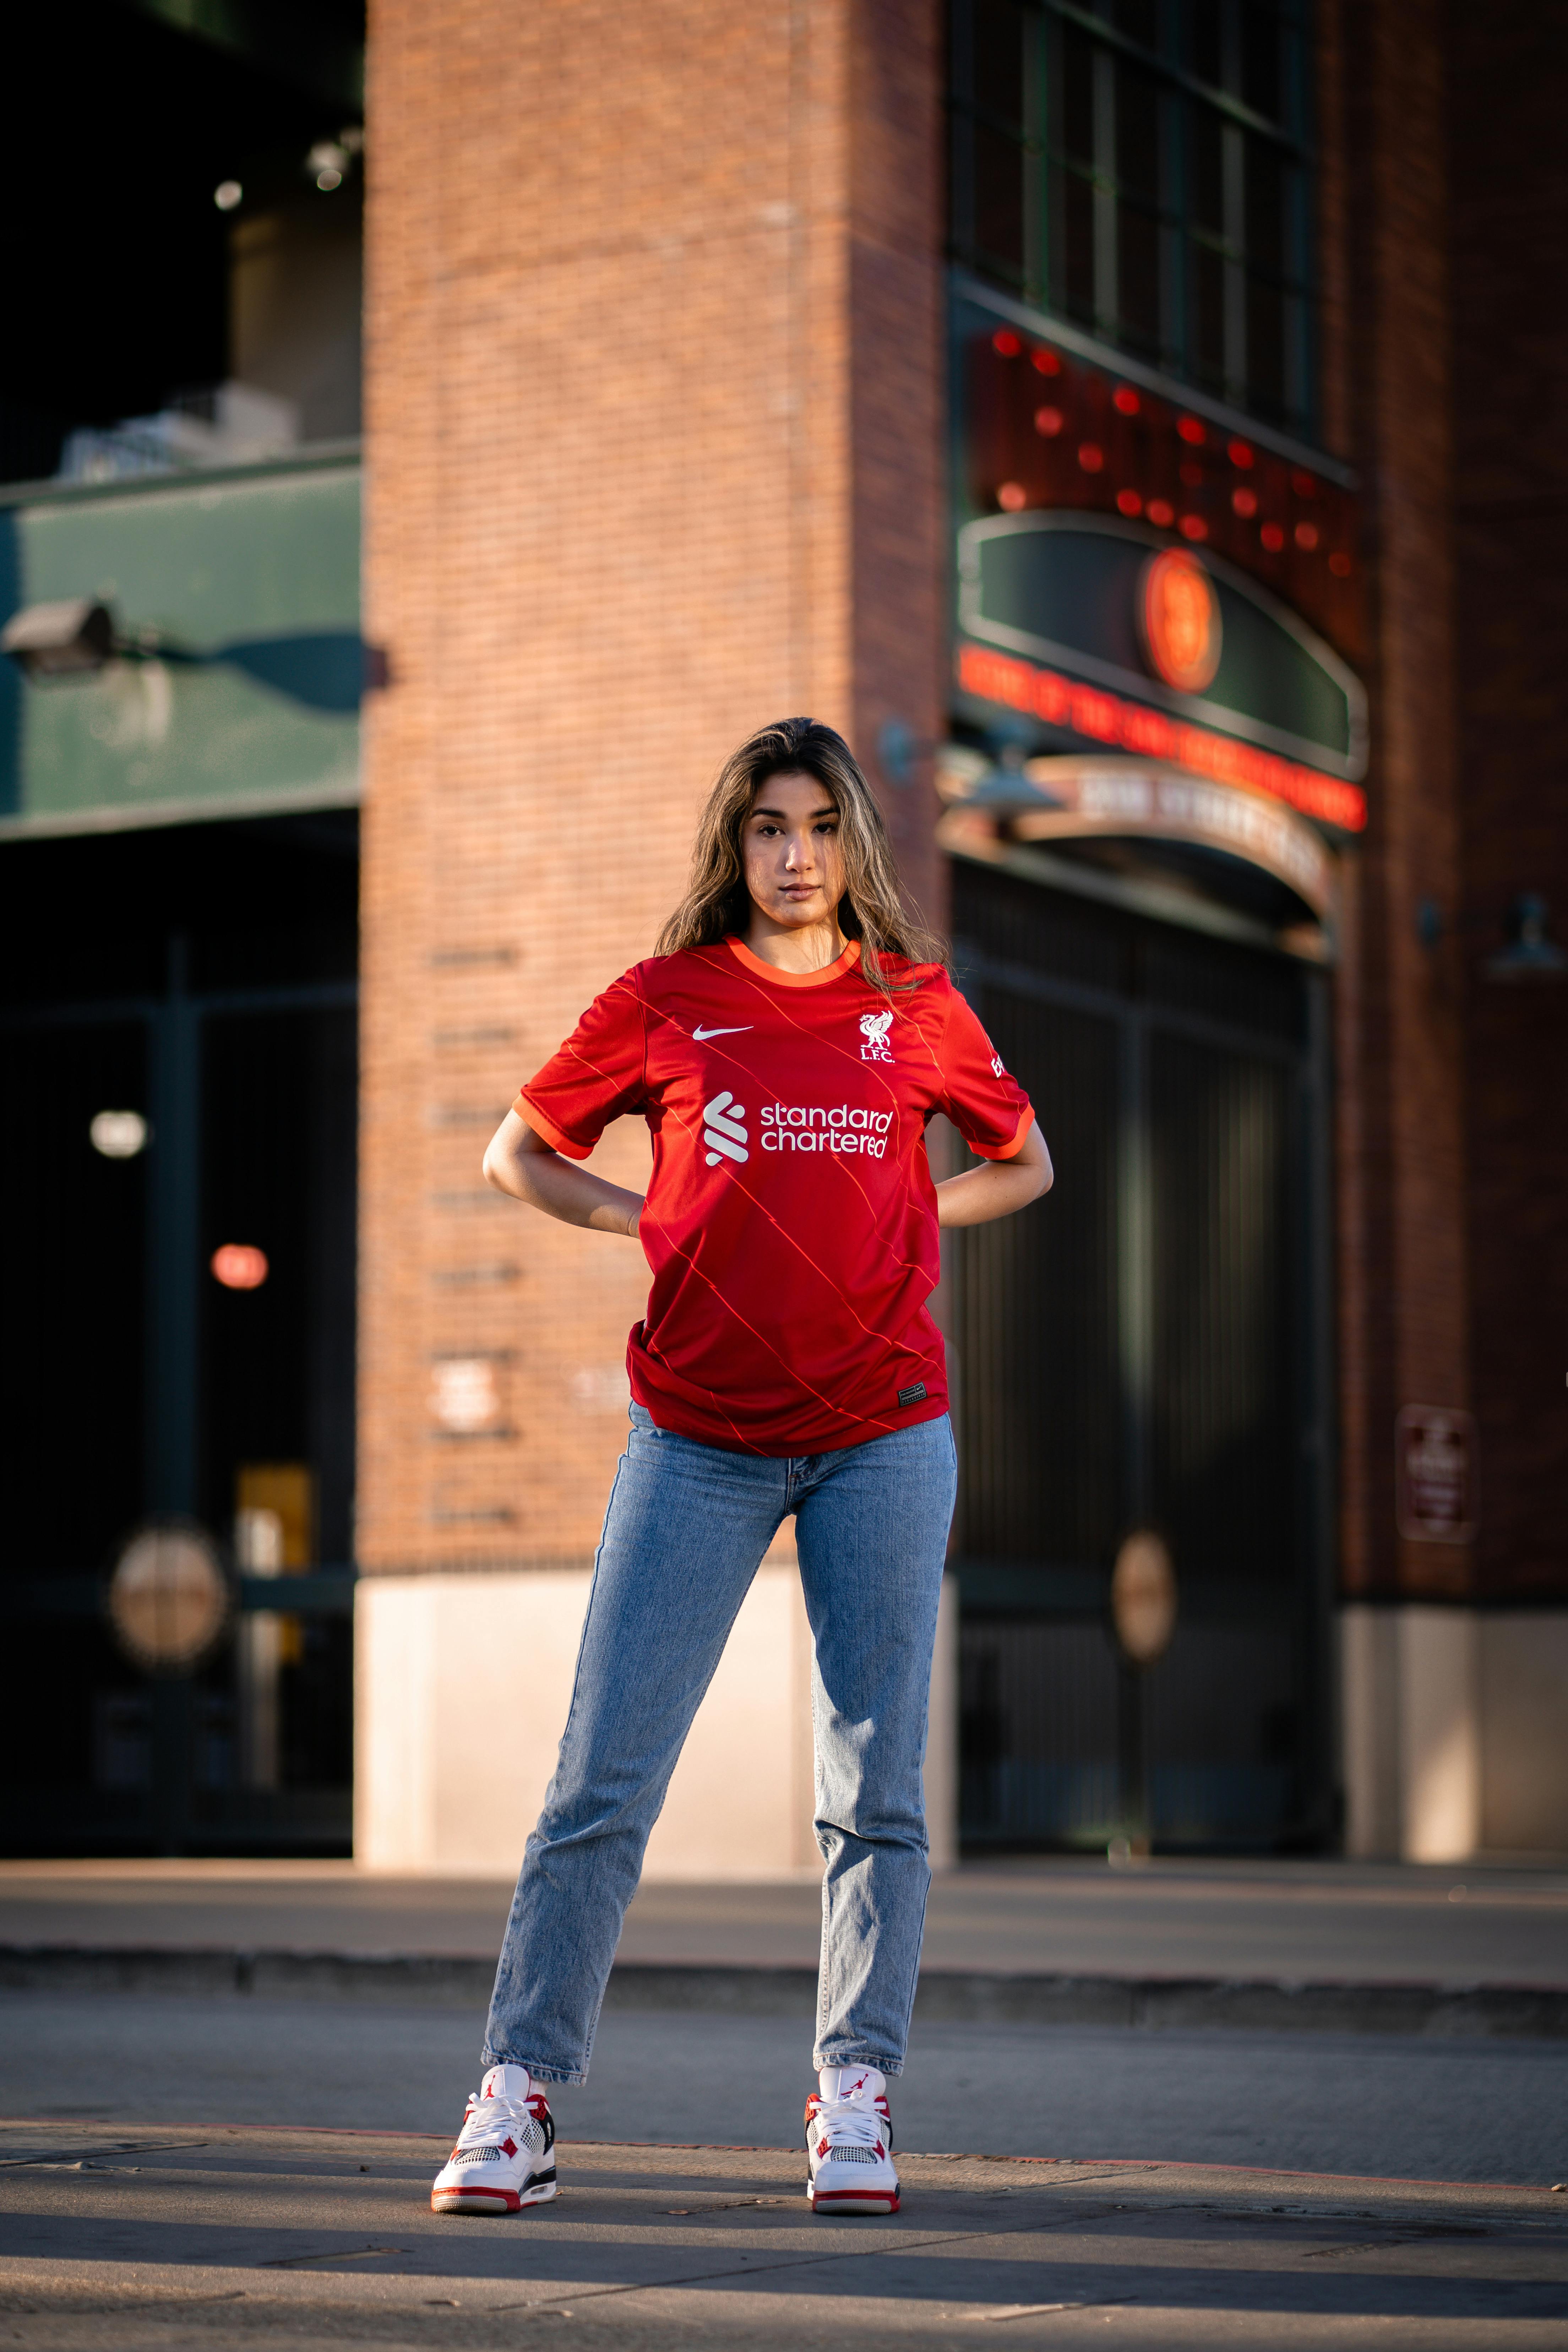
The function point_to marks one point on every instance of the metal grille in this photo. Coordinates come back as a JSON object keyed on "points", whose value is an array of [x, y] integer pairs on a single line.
{"points": [[1144, 1348]]}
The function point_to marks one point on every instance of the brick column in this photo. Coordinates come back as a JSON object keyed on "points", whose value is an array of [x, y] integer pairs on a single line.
{"points": [[1410, 1688], [641, 320]]}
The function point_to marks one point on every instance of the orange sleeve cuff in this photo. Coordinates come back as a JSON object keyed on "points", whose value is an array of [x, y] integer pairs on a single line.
{"points": [[1009, 1149], [542, 1124]]}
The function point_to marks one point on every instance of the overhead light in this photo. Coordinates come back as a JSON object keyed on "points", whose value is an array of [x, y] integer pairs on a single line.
{"points": [[328, 161], [226, 194], [119, 1134], [1529, 954], [239, 1265], [71, 639]]}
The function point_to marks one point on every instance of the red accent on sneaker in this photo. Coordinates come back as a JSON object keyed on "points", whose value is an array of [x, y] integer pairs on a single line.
{"points": [[508, 2145]]}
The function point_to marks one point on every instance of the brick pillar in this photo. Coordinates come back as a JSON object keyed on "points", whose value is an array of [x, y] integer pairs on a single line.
{"points": [[641, 307], [1404, 1279]]}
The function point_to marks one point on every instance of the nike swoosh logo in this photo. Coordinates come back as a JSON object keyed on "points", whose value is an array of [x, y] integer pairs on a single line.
{"points": [[701, 1036]]}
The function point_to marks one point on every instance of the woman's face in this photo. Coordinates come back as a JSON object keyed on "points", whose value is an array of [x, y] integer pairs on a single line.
{"points": [[789, 845]]}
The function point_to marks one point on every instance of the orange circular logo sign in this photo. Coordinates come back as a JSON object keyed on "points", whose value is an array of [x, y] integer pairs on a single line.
{"points": [[1178, 613]]}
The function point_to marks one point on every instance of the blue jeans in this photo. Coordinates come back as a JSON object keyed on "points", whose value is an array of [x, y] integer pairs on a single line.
{"points": [[684, 1535]]}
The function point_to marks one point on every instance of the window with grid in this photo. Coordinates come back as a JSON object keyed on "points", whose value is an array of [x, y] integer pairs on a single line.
{"points": [[1142, 167]]}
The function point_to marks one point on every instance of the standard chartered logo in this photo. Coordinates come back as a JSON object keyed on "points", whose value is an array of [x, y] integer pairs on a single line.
{"points": [[724, 1131], [817, 1127]]}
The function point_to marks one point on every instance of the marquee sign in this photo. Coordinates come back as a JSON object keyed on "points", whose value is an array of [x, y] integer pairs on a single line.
{"points": [[1102, 600], [1135, 578], [1075, 799]]}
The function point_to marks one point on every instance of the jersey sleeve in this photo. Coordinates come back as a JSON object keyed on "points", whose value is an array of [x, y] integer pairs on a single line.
{"points": [[989, 1109], [597, 1075]]}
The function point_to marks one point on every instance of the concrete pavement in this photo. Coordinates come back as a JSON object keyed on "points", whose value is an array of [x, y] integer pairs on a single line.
{"points": [[1441, 2107], [1301, 1921], [161, 2238]]}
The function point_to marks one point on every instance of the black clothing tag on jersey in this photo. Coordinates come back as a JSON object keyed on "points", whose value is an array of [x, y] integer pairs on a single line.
{"points": [[917, 1395]]}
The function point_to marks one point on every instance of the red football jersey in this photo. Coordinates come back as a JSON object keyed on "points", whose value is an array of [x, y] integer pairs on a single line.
{"points": [[791, 1219]]}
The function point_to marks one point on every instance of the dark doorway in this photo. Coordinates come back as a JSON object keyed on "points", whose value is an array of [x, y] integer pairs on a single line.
{"points": [[1149, 1347], [198, 985]]}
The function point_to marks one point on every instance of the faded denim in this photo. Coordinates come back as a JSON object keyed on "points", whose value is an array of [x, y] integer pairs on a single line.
{"points": [[684, 1535]]}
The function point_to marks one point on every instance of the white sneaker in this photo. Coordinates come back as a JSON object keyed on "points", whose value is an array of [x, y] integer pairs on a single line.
{"points": [[849, 2144], [503, 2160]]}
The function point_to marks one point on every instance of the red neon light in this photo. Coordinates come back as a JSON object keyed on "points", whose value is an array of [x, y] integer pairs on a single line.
{"points": [[239, 1266], [1047, 362], [1161, 512], [1193, 527], [1129, 502], [1005, 342], [1245, 503], [1090, 457], [1125, 399], [1011, 496], [1306, 535], [1191, 430], [1241, 453], [1049, 421], [1273, 537], [1108, 719]]}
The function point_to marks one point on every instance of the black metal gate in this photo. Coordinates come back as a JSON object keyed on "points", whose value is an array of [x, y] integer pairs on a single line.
{"points": [[1149, 1347]]}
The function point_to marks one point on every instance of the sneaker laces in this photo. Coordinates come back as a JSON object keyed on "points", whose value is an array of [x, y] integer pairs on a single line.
{"points": [[848, 2124], [496, 2119]]}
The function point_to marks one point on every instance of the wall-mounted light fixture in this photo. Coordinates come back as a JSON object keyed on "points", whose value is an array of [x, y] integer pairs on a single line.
{"points": [[74, 638], [1530, 953]]}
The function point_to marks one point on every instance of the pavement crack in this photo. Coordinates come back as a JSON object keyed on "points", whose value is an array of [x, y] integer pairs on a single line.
{"points": [[901, 2241], [311, 2262]]}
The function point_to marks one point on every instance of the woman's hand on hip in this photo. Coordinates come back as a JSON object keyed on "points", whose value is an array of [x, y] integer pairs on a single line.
{"points": [[996, 1187], [520, 1161]]}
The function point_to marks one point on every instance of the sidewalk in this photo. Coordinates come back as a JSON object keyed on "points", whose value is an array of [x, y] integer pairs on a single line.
{"points": [[216, 2235], [1343, 1946]]}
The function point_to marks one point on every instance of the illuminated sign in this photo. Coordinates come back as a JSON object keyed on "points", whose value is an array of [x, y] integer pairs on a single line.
{"points": [[1044, 427], [1138, 571], [1075, 799], [1062, 703], [1179, 620], [1068, 589]]}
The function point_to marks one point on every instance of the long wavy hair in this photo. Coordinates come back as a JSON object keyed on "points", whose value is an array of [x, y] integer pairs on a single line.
{"points": [[717, 904]]}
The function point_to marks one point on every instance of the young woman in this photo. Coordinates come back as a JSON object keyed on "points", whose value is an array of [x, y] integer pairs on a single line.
{"points": [[787, 1045]]}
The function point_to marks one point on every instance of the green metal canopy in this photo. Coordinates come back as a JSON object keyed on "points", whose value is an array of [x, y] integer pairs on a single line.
{"points": [[236, 600]]}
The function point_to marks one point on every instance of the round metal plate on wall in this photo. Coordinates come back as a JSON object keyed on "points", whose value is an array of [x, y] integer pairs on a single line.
{"points": [[1143, 1597], [169, 1599]]}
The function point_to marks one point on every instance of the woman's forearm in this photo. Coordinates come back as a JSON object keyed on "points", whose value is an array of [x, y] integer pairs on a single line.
{"points": [[998, 1187], [520, 1162]]}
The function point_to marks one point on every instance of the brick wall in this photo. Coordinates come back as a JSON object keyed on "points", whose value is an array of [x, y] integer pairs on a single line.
{"points": [[640, 314], [1404, 1279], [1509, 208]]}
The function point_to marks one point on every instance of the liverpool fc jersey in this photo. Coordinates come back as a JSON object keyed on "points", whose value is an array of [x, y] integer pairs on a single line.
{"points": [[790, 1220]]}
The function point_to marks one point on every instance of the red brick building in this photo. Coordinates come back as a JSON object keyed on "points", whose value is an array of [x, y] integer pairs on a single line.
{"points": [[660, 441], [1134, 426]]}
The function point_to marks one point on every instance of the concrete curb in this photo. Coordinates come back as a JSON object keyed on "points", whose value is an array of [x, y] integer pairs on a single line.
{"points": [[949, 1995]]}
